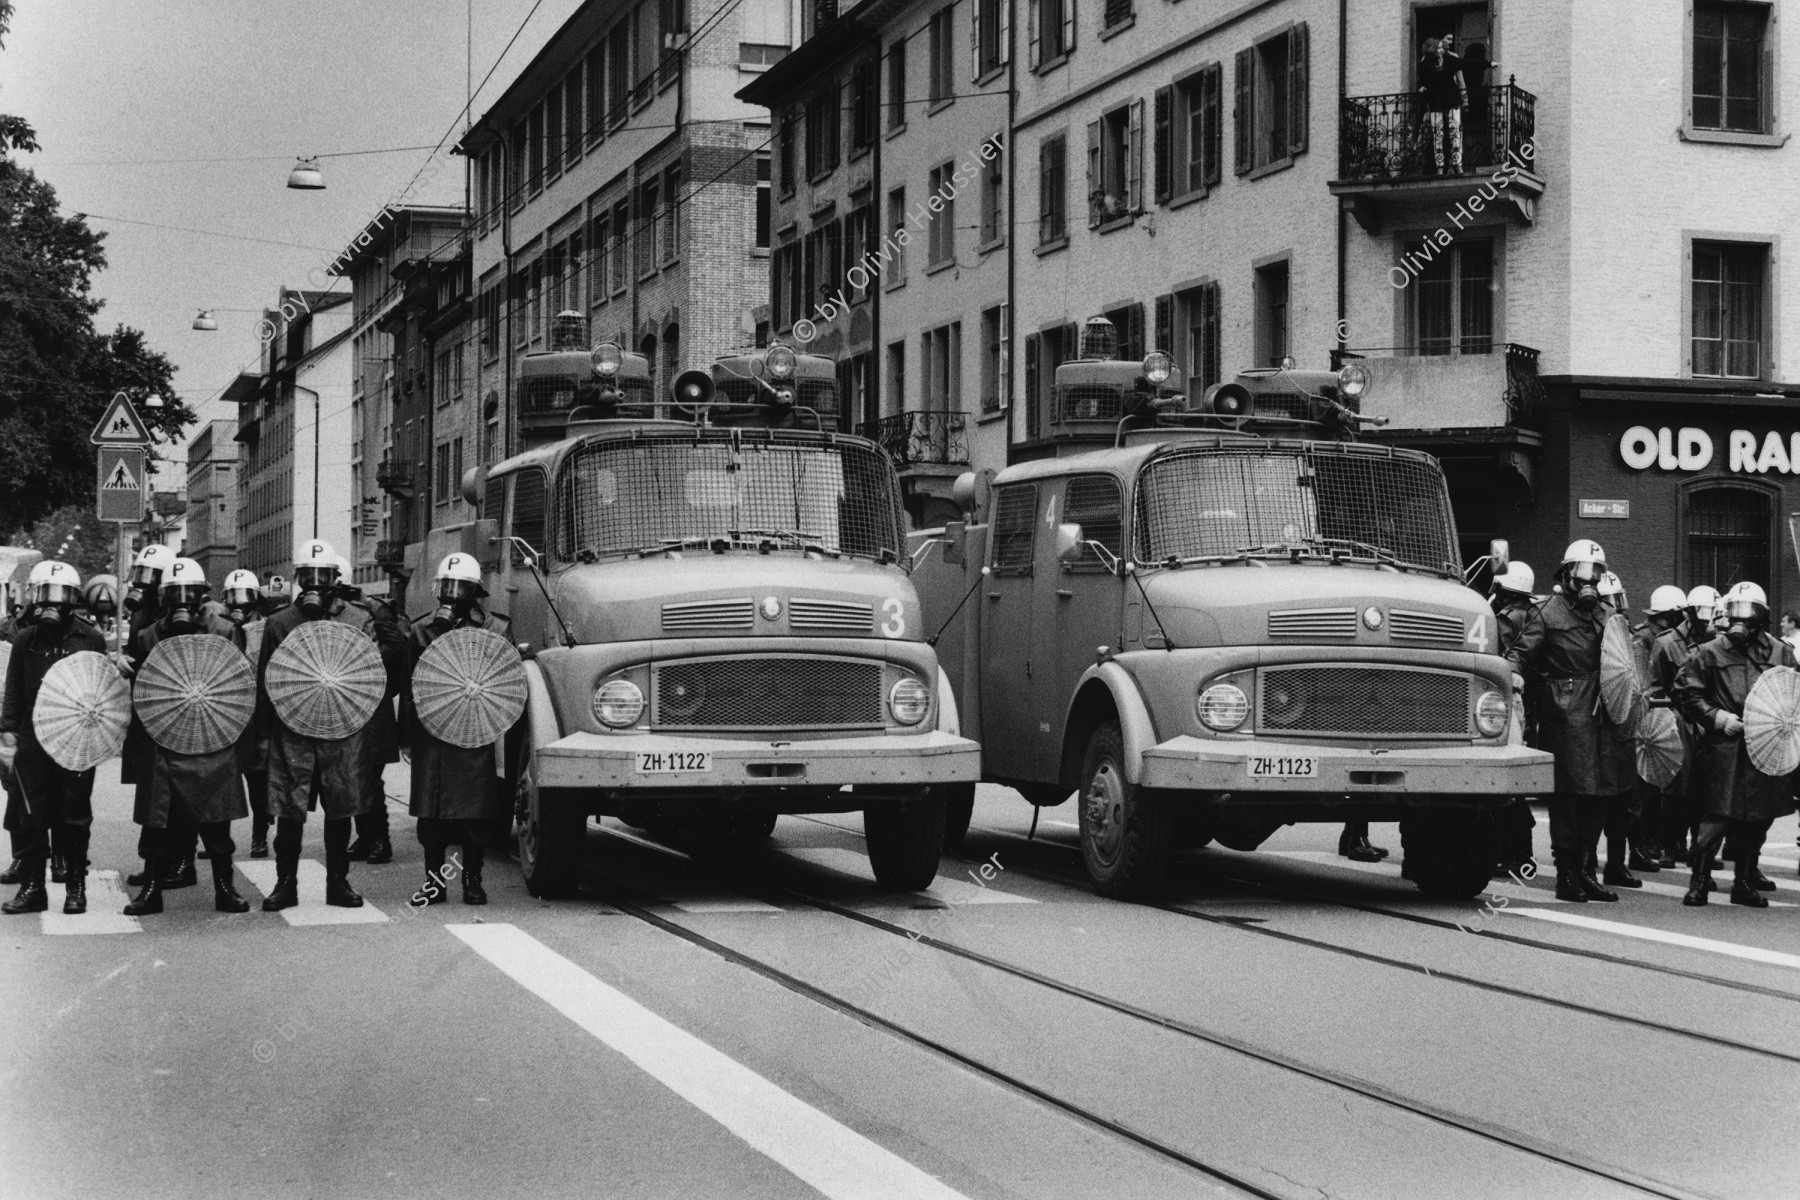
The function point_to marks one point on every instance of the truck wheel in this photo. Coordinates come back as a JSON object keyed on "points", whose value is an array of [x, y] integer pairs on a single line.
{"points": [[906, 839], [1125, 829], [959, 806], [1449, 855], [552, 837]]}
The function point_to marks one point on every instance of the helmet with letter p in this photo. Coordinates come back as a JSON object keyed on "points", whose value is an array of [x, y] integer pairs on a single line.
{"points": [[1702, 603], [242, 592], [1583, 568], [1746, 611], [184, 590], [53, 589], [146, 575], [1666, 605], [315, 576], [458, 581]]}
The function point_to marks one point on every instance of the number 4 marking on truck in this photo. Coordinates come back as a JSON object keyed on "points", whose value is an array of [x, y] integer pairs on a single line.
{"points": [[1478, 633], [895, 625]]}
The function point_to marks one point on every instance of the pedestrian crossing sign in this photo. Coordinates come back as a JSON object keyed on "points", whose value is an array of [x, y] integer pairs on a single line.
{"points": [[120, 425], [120, 486]]}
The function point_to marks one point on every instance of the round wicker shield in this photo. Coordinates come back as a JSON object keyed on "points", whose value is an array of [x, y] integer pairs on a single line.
{"points": [[1772, 721], [83, 709], [253, 635], [194, 694], [1620, 689], [1660, 752], [469, 687], [325, 680]]}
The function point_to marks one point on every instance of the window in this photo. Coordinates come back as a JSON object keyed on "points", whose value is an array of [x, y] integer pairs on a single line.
{"points": [[815, 269], [1271, 113], [857, 282], [896, 377], [1053, 190], [1050, 32], [649, 217], [1272, 314], [671, 23], [515, 167], [943, 81], [671, 219], [528, 513], [621, 226], [572, 109], [760, 54], [1189, 134], [1451, 303], [1731, 76], [896, 85], [1115, 14], [535, 149], [1115, 170], [1728, 308], [864, 101], [988, 36], [822, 133], [572, 285], [993, 193], [942, 230], [1197, 347], [598, 272], [1044, 352], [618, 73], [1129, 324], [649, 49], [996, 358], [783, 286], [441, 489], [534, 292], [763, 211], [553, 132], [940, 368], [1095, 503], [784, 146], [596, 93], [1015, 520], [449, 371], [896, 223], [1729, 531], [490, 321]]}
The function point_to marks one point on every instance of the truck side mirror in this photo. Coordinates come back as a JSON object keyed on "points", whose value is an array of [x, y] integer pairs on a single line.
{"points": [[487, 548], [1069, 543], [1499, 554]]}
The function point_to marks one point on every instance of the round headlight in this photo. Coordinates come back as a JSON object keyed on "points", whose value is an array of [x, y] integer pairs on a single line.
{"points": [[1223, 707], [1353, 380], [780, 360], [618, 703], [1157, 367], [909, 701], [1492, 714], [606, 357]]}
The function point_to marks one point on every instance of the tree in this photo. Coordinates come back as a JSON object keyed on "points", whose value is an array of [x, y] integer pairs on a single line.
{"points": [[74, 536], [60, 372]]}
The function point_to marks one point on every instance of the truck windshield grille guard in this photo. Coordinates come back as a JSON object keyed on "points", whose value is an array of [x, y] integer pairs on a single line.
{"points": [[746, 486], [1363, 701], [766, 692], [1368, 502]]}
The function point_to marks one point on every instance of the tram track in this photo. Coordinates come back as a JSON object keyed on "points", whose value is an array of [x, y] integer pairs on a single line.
{"points": [[635, 904]]}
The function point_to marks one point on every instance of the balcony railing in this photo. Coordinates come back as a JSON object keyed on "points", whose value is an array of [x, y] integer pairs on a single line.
{"points": [[1389, 138], [1414, 388], [394, 476], [934, 437], [390, 555]]}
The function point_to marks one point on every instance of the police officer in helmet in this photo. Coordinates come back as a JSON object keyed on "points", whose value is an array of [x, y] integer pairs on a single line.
{"points": [[1672, 649], [1514, 604]]}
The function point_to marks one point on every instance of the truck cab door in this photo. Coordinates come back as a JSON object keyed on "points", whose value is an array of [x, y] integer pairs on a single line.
{"points": [[1007, 718], [1089, 595], [519, 596]]}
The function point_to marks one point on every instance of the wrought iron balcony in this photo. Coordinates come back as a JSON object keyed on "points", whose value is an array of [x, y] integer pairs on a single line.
{"points": [[395, 476], [1389, 137], [932, 437], [390, 555], [1485, 385]]}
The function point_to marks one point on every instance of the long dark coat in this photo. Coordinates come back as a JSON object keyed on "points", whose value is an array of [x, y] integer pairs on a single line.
{"points": [[138, 745], [383, 741], [1671, 649], [300, 766], [1558, 654], [1511, 621], [50, 795], [450, 782], [1717, 679], [209, 785]]}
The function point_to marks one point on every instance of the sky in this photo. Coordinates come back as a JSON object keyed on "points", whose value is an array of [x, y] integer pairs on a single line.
{"points": [[117, 88]]}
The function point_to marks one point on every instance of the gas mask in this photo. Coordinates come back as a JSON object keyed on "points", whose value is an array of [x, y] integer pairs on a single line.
{"points": [[456, 599], [1742, 621], [317, 586], [52, 618], [140, 593], [1581, 581], [182, 608]]}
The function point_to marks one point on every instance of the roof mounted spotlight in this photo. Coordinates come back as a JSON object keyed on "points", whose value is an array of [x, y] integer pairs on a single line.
{"points": [[1158, 367], [306, 176], [780, 361], [607, 358], [206, 322], [1354, 379]]}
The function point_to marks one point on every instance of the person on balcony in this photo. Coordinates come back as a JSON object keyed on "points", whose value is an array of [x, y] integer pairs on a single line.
{"points": [[1445, 96]]}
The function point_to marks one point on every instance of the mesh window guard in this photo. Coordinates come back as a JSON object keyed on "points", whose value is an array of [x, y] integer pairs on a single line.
{"points": [[617, 496], [1216, 501]]}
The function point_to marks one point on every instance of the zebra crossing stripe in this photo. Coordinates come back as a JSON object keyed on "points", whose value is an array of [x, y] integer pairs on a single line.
{"points": [[105, 899], [312, 909]]}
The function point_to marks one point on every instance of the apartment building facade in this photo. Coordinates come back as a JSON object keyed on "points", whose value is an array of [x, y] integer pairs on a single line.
{"points": [[213, 462], [617, 177]]}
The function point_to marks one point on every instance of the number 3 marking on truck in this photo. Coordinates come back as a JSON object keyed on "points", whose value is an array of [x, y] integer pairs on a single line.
{"points": [[895, 625], [1478, 633]]}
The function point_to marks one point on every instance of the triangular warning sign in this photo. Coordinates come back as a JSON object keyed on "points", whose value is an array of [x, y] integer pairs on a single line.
{"points": [[121, 479], [120, 425]]}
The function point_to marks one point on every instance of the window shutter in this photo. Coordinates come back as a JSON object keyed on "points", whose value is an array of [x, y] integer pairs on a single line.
{"points": [[1244, 116], [1211, 87], [1134, 331], [1164, 151], [1093, 173], [1210, 369], [1165, 324], [1031, 385], [1068, 25], [1004, 50], [1134, 159], [1298, 77], [974, 40], [1031, 30], [1768, 83]]}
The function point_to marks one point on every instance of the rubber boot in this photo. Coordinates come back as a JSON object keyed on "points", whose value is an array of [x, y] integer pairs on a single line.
{"points": [[32, 897], [75, 896], [1699, 883], [433, 890], [1618, 865], [1353, 843], [472, 862], [225, 893], [1645, 857], [183, 874], [1743, 890], [286, 893], [338, 892], [149, 898], [1568, 886], [1594, 891]]}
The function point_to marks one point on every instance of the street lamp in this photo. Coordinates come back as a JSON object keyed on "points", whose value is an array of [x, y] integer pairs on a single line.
{"points": [[206, 321], [306, 176]]}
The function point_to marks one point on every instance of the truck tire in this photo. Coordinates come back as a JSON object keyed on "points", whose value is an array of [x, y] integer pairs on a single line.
{"points": [[1449, 855], [906, 840], [1126, 830], [552, 837], [959, 807]]}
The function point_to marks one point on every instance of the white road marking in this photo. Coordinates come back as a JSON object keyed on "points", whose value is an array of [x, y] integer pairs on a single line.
{"points": [[837, 1161], [105, 900], [1668, 938], [1076, 825], [949, 891], [312, 909], [721, 903], [1678, 890], [1498, 887]]}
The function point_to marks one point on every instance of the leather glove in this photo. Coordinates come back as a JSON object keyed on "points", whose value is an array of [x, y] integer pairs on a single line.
{"points": [[9, 741], [1730, 724]]}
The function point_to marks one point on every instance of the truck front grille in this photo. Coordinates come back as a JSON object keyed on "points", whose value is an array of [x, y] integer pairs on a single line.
{"points": [[1426, 627], [829, 616], [1363, 701], [1313, 623], [708, 614], [766, 692]]}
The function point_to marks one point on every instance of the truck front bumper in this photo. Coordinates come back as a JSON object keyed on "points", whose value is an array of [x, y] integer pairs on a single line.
{"points": [[593, 760], [1198, 764]]}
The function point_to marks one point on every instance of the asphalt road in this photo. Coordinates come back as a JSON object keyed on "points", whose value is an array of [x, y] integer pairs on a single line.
{"points": [[771, 1024]]}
